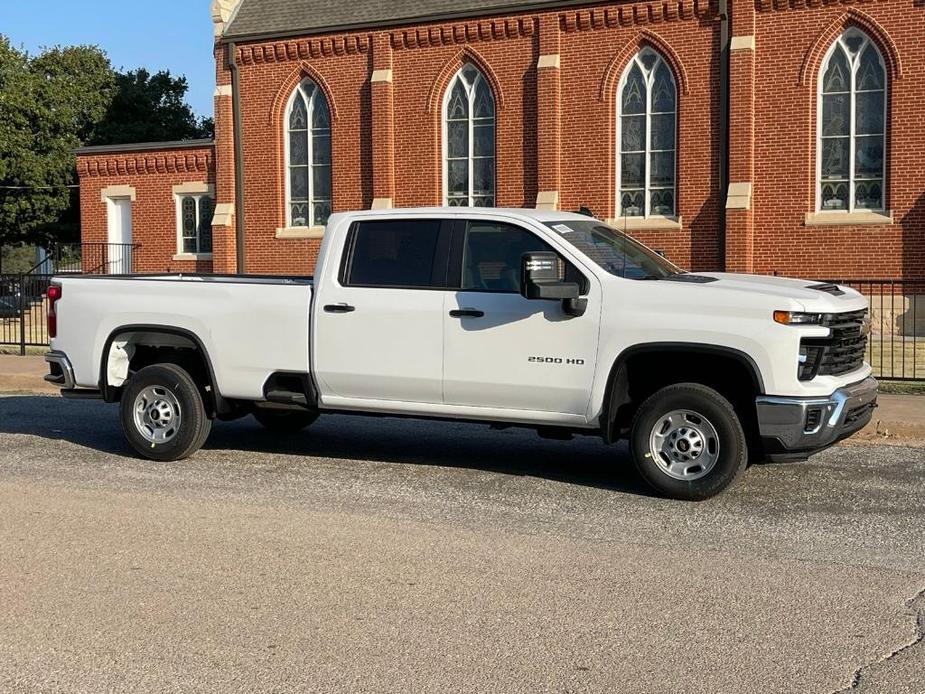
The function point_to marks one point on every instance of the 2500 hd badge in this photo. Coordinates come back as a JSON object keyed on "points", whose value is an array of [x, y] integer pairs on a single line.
{"points": [[556, 360]]}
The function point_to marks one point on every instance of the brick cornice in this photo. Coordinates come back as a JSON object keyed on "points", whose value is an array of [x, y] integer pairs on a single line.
{"points": [[463, 32], [303, 49], [145, 163], [642, 13], [773, 5]]}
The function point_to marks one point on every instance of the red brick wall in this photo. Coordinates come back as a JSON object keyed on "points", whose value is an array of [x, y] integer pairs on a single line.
{"points": [[791, 39], [154, 224], [595, 45], [386, 135]]}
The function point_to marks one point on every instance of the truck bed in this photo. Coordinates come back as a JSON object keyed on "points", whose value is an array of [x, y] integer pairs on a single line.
{"points": [[249, 325]]}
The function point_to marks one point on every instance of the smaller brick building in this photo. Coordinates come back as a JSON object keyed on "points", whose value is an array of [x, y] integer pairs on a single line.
{"points": [[772, 136]]}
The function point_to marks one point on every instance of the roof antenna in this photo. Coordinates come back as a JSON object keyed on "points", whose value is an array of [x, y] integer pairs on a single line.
{"points": [[585, 211]]}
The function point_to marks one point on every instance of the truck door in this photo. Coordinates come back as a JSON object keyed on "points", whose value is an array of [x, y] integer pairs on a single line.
{"points": [[507, 352], [378, 329]]}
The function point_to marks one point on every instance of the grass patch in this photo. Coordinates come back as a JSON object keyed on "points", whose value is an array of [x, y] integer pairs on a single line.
{"points": [[902, 388]]}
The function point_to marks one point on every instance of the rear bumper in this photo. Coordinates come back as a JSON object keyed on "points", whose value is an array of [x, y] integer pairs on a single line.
{"points": [[61, 374], [60, 371], [795, 428]]}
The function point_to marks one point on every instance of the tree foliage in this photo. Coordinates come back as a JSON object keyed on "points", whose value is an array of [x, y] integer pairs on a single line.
{"points": [[47, 103], [52, 103], [149, 108]]}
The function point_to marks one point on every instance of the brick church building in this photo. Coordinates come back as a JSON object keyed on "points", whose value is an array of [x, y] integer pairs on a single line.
{"points": [[770, 136]]}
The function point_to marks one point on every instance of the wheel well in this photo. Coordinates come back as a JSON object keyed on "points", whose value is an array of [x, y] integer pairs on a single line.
{"points": [[639, 374], [129, 351]]}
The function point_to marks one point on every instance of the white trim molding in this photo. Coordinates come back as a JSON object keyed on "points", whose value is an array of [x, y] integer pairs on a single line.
{"points": [[300, 233], [194, 187], [223, 12], [739, 196], [829, 219], [224, 214], [550, 60], [110, 192], [647, 223], [742, 43], [193, 256], [381, 76], [547, 200]]}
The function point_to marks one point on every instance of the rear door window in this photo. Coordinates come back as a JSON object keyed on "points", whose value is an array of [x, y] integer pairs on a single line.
{"points": [[409, 254]]}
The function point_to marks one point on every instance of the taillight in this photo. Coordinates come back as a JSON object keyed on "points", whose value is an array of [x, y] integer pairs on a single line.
{"points": [[54, 293]]}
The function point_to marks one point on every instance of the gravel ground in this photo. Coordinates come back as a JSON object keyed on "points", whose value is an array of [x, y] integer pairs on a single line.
{"points": [[394, 556]]}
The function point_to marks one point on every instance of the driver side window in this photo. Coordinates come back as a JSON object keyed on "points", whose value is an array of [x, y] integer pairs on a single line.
{"points": [[492, 255]]}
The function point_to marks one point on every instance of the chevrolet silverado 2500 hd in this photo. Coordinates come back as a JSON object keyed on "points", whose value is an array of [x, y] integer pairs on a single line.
{"points": [[548, 320]]}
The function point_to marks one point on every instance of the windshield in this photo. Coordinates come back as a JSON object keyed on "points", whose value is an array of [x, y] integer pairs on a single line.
{"points": [[613, 250]]}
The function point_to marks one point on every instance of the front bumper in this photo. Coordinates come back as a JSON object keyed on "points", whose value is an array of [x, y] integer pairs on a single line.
{"points": [[794, 428]]}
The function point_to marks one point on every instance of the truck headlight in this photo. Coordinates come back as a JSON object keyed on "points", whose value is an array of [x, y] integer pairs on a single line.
{"points": [[796, 318]]}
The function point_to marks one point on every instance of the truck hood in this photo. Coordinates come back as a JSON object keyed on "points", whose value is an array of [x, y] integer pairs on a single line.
{"points": [[812, 295]]}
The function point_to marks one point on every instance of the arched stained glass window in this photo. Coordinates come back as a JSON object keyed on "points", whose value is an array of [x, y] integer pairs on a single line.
{"points": [[308, 157], [647, 135], [852, 126], [469, 140]]}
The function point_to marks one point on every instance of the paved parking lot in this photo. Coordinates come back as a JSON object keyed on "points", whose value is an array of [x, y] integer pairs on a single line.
{"points": [[393, 555]]}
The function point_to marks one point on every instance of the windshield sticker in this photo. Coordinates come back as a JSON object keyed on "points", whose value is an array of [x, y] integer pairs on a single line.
{"points": [[563, 229]]}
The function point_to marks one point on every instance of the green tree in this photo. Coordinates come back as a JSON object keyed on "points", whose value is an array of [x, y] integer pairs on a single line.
{"points": [[149, 108], [48, 103]]}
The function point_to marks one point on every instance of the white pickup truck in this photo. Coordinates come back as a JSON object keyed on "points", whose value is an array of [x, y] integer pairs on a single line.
{"points": [[548, 320]]}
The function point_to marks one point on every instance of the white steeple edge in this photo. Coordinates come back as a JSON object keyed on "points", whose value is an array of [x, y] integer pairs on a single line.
{"points": [[222, 12]]}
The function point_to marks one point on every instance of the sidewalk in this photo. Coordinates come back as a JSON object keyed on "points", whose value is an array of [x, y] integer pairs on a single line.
{"points": [[24, 374], [899, 418]]}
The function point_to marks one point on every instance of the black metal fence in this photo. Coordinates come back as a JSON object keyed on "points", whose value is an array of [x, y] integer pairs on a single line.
{"points": [[896, 347], [895, 350], [23, 296]]}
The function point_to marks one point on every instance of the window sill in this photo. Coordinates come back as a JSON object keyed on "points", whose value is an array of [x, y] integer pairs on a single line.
{"points": [[193, 256], [300, 233], [646, 223], [826, 219]]}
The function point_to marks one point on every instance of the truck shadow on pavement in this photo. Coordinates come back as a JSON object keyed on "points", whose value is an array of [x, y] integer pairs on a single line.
{"points": [[365, 440]]}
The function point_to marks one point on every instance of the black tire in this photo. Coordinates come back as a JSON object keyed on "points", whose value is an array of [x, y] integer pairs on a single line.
{"points": [[284, 421], [724, 454], [194, 425]]}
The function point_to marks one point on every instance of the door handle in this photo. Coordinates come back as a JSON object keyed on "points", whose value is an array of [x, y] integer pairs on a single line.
{"points": [[339, 308], [466, 313]]}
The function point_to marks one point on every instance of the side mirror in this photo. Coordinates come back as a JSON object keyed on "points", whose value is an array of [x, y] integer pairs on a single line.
{"points": [[539, 279]]}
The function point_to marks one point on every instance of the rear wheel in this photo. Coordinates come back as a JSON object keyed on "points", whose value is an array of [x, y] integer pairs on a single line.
{"points": [[687, 442], [163, 416], [284, 421]]}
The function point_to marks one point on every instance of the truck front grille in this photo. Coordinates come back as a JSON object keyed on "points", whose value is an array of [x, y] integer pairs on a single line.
{"points": [[840, 353]]}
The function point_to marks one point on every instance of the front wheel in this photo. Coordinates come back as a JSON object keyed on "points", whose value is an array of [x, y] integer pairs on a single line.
{"points": [[163, 417], [687, 442]]}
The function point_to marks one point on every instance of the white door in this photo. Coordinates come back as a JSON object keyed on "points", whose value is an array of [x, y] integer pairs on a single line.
{"points": [[503, 351], [380, 324], [119, 227]]}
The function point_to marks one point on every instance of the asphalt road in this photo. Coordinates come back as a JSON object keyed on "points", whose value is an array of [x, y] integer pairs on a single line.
{"points": [[380, 555]]}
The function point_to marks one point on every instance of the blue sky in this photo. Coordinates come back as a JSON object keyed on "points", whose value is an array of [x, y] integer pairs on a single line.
{"points": [[175, 35]]}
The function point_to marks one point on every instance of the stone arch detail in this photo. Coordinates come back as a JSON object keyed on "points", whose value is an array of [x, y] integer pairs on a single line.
{"points": [[851, 18], [645, 38], [449, 70]]}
